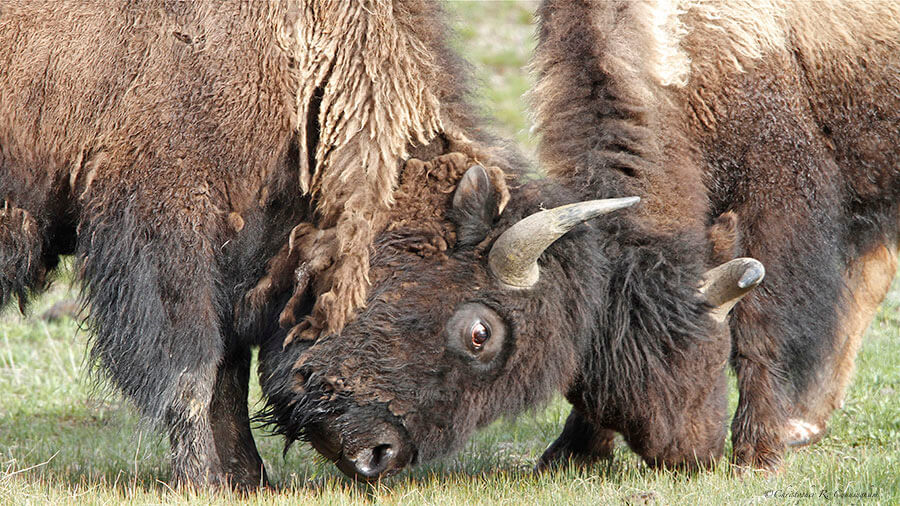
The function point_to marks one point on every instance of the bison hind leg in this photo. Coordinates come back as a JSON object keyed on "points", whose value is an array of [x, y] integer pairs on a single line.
{"points": [[21, 250], [867, 281]]}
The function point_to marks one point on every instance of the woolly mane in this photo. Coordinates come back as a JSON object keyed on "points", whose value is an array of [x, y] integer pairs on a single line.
{"points": [[371, 85]]}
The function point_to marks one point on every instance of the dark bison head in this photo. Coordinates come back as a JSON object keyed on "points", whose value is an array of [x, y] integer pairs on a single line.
{"points": [[462, 324]]}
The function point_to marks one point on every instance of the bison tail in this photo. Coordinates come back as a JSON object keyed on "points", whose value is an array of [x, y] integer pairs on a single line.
{"points": [[21, 249]]}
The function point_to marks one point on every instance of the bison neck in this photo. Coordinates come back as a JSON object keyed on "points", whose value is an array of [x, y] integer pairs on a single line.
{"points": [[644, 318]]}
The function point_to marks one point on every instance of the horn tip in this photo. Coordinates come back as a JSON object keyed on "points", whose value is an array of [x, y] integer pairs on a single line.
{"points": [[622, 202], [754, 272]]}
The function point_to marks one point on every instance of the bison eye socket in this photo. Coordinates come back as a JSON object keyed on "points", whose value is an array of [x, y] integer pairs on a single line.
{"points": [[480, 334], [476, 331]]}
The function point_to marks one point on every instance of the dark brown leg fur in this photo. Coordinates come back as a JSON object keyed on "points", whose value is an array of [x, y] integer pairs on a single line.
{"points": [[231, 424], [195, 462], [580, 442], [21, 243], [756, 427], [689, 433]]}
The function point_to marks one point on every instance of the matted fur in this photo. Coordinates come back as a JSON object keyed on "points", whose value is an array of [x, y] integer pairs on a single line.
{"points": [[367, 81], [781, 114], [376, 82]]}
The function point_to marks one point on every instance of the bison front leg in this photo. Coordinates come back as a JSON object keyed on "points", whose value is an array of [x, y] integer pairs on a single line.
{"points": [[785, 341], [195, 461], [580, 442], [761, 415], [151, 281], [688, 433], [231, 423]]}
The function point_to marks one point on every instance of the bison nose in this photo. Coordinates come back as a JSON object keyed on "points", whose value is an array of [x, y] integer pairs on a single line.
{"points": [[370, 463]]}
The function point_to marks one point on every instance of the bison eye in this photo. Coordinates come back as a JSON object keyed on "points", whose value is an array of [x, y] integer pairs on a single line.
{"points": [[480, 334], [477, 332]]}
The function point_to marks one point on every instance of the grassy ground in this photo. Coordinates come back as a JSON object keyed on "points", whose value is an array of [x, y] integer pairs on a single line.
{"points": [[61, 442]]}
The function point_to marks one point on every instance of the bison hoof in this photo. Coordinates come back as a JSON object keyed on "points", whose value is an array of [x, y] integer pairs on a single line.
{"points": [[557, 455], [551, 459], [748, 459]]}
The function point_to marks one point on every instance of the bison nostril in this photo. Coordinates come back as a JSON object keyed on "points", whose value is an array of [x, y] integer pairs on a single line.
{"points": [[372, 462], [382, 455]]}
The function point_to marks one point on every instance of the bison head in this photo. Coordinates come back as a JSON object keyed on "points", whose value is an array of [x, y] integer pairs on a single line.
{"points": [[475, 312]]}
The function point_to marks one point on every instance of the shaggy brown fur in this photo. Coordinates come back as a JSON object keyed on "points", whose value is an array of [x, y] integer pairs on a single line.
{"points": [[172, 146], [782, 113], [364, 125], [154, 140], [368, 75]]}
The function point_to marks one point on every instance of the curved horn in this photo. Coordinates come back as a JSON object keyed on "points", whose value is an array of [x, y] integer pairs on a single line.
{"points": [[726, 284], [513, 258]]}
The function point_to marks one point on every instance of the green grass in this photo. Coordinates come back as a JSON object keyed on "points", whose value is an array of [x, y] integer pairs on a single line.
{"points": [[60, 441], [63, 442], [498, 37]]}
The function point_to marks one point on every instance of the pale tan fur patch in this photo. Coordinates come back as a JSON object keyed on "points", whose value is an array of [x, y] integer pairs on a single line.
{"points": [[800, 432], [672, 65], [867, 282], [830, 30], [690, 35], [713, 33], [736, 31]]}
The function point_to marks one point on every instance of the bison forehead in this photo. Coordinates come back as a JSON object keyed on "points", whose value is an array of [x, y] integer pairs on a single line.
{"points": [[418, 222]]}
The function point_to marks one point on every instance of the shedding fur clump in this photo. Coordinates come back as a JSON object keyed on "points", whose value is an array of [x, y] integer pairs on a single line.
{"points": [[746, 31], [742, 30], [368, 91]]}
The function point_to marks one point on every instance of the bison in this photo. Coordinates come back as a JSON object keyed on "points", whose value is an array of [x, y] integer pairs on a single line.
{"points": [[172, 147], [791, 124], [766, 129], [463, 325]]}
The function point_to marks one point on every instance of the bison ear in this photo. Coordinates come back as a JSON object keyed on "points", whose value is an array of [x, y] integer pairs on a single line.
{"points": [[474, 206], [724, 238], [727, 284]]}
